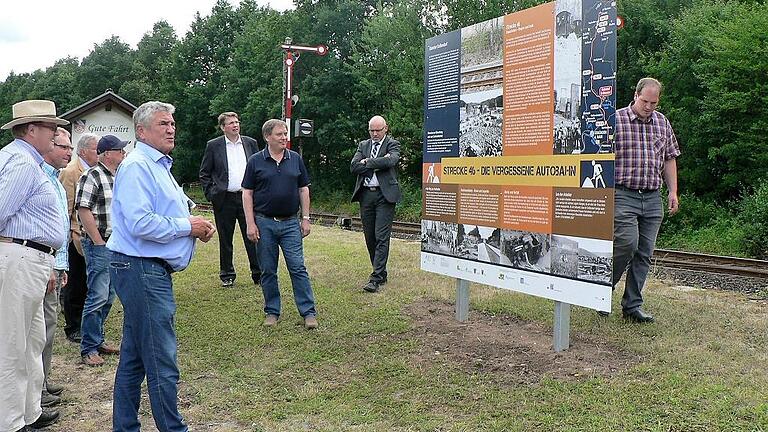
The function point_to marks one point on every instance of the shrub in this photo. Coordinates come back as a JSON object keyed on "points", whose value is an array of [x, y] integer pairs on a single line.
{"points": [[754, 220]]}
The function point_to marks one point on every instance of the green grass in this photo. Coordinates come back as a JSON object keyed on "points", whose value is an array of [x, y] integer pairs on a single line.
{"points": [[195, 192], [701, 368]]}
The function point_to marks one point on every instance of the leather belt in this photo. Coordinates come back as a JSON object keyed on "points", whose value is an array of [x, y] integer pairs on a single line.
{"points": [[640, 191], [163, 263], [276, 218], [30, 244]]}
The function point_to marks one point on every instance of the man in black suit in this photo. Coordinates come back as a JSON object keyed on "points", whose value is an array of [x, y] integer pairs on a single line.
{"points": [[378, 191], [221, 175]]}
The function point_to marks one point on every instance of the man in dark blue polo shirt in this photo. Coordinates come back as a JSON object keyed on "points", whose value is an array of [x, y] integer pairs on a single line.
{"points": [[275, 186]]}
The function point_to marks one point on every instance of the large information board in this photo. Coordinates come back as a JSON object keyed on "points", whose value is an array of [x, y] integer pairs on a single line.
{"points": [[518, 152]]}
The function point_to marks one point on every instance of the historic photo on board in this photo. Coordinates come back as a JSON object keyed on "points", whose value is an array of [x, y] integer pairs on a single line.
{"points": [[481, 105], [582, 258], [568, 134]]}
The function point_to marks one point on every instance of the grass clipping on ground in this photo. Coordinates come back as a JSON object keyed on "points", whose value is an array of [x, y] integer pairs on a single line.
{"points": [[398, 361]]}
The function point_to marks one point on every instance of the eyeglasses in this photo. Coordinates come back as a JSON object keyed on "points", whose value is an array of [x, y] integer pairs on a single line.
{"points": [[64, 146], [376, 130], [122, 151]]}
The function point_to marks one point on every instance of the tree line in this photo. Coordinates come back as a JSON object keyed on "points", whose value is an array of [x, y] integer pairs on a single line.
{"points": [[712, 56]]}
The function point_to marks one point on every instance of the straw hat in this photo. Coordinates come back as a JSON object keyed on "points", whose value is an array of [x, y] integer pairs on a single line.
{"points": [[34, 111]]}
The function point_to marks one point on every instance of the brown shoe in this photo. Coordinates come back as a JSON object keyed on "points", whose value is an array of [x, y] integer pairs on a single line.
{"points": [[93, 359], [108, 349], [310, 322], [270, 320]]}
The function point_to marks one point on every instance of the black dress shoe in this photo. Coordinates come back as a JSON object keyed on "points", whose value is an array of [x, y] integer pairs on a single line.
{"points": [[48, 400], [54, 389], [604, 314], [75, 337], [371, 287], [47, 418], [638, 316]]}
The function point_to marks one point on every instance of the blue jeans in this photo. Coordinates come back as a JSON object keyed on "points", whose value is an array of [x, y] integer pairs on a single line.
{"points": [[100, 296], [636, 221], [287, 235], [148, 349]]}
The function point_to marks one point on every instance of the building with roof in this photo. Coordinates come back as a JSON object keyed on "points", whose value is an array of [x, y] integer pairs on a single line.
{"points": [[106, 114]]}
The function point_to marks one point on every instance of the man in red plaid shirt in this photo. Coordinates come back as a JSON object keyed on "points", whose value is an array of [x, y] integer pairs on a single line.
{"points": [[646, 149]]}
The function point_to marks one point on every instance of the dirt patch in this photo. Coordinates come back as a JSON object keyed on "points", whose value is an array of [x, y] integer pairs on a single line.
{"points": [[510, 350]]}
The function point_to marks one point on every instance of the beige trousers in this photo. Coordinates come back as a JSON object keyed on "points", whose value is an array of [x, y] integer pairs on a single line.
{"points": [[24, 275]]}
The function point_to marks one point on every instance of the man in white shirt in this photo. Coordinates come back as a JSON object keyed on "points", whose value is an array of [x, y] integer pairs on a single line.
{"points": [[221, 175]]}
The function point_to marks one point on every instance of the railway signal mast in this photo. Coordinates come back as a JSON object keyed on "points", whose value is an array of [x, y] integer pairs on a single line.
{"points": [[292, 54]]}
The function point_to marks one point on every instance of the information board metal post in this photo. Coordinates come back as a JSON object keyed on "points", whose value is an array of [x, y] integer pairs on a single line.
{"points": [[462, 300], [562, 327]]}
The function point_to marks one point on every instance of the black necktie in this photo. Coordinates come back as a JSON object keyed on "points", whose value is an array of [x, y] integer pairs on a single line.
{"points": [[374, 153]]}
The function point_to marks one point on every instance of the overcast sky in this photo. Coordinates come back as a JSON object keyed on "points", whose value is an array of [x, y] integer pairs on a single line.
{"points": [[36, 33]]}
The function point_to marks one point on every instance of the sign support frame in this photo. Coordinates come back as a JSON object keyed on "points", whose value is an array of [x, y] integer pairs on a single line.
{"points": [[462, 300]]}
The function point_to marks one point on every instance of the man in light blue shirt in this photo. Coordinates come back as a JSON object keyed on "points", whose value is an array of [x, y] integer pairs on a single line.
{"points": [[55, 160], [153, 235], [31, 230]]}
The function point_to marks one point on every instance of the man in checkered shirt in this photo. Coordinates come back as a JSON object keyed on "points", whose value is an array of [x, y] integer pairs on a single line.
{"points": [[646, 152], [93, 201]]}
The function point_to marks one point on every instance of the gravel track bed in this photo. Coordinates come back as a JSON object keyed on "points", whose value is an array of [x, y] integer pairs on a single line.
{"points": [[756, 288]]}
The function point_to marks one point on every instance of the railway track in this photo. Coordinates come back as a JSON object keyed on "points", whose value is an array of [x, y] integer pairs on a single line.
{"points": [[711, 263], [479, 77], [666, 258], [399, 229]]}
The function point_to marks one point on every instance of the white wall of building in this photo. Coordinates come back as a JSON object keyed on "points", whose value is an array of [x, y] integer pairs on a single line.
{"points": [[102, 122]]}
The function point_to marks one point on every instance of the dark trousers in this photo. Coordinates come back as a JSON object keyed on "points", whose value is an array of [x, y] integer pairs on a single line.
{"points": [[376, 214], [636, 220], [74, 292], [226, 213]]}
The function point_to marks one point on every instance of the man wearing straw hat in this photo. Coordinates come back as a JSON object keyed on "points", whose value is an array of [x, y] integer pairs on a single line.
{"points": [[30, 233]]}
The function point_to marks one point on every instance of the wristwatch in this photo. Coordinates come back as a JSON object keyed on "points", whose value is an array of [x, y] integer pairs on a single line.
{"points": [[305, 217]]}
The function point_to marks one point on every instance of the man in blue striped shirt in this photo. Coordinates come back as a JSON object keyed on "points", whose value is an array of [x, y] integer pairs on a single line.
{"points": [[31, 229], [153, 235]]}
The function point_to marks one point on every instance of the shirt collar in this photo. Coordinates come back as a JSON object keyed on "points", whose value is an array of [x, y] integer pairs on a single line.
{"points": [[83, 161], [633, 115], [238, 141], [49, 169], [153, 153], [286, 153], [31, 150], [104, 168]]}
